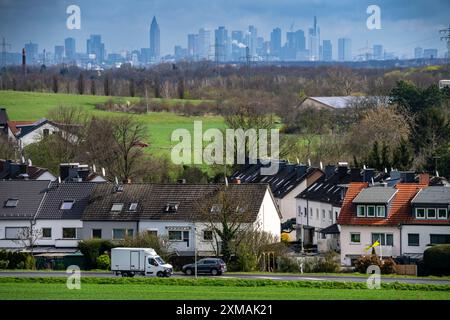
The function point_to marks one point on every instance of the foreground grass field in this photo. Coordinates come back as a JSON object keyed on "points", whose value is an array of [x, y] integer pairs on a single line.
{"points": [[35, 105], [41, 291], [211, 289]]}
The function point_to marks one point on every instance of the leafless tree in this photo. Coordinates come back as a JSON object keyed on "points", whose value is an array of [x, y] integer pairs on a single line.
{"points": [[27, 237], [8, 148]]}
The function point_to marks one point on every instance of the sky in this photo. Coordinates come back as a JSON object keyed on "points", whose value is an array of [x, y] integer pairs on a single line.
{"points": [[124, 24]]}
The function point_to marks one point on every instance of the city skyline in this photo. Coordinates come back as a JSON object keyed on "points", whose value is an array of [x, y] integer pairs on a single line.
{"points": [[418, 27]]}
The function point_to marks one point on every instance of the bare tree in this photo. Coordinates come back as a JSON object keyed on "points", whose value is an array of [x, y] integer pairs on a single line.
{"points": [[27, 237], [227, 214], [7, 148]]}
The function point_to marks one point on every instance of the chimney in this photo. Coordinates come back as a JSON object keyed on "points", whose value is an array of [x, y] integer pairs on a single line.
{"points": [[237, 180], [329, 170], [424, 178], [368, 174], [24, 62], [181, 181], [355, 174], [407, 176], [342, 169]]}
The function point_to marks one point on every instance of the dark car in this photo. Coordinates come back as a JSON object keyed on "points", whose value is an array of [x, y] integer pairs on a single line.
{"points": [[212, 266]]}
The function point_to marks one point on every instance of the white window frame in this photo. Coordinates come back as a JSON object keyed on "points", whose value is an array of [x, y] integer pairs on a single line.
{"points": [[435, 213], [424, 213], [355, 233], [357, 211], [384, 212], [446, 214], [374, 211]]}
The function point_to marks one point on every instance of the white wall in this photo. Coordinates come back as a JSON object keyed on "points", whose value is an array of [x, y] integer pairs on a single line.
{"points": [[10, 223], [268, 219], [349, 249], [36, 135], [161, 228], [424, 232], [287, 204], [47, 176]]}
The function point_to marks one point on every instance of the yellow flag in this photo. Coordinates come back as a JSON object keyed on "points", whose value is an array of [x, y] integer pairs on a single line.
{"points": [[375, 244]]}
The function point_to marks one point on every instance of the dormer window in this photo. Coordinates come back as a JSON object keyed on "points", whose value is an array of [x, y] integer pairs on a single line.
{"points": [[420, 213], [431, 213], [370, 211], [119, 188], [381, 211], [442, 213], [216, 208], [171, 207], [11, 203], [117, 207], [133, 206], [361, 211], [67, 204]]}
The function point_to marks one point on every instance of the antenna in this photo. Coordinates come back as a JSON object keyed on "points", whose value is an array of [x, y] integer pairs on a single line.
{"points": [[446, 37], [104, 172]]}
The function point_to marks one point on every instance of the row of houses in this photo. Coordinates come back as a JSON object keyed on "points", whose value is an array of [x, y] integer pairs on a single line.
{"points": [[319, 203], [65, 213]]}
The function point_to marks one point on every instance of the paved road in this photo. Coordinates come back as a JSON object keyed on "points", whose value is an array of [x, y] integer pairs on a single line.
{"points": [[240, 276]]}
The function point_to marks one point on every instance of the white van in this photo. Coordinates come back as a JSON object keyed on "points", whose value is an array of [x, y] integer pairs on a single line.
{"points": [[128, 262]]}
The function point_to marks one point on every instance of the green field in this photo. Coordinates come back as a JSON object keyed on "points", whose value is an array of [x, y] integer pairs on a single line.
{"points": [[35, 105], [43, 291]]}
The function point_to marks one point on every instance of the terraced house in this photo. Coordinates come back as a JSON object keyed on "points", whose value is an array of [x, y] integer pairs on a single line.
{"points": [[405, 218]]}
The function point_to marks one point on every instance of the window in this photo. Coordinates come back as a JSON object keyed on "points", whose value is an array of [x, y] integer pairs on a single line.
{"points": [[47, 233], [355, 237], [117, 207], [431, 213], [299, 211], [361, 211], [439, 238], [207, 235], [120, 234], [386, 239], [371, 211], [330, 215], [381, 211], [11, 203], [153, 233], [420, 213], [442, 213], [413, 239], [175, 235], [317, 214], [46, 132], [67, 204], [14, 233], [323, 214], [133, 206], [311, 212], [171, 207], [69, 233], [96, 233]]}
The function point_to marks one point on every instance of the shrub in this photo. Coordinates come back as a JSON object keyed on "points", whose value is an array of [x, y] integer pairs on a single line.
{"points": [[363, 262], [91, 249], [328, 263], [286, 264], [104, 262], [437, 259], [4, 264], [30, 262], [148, 240], [388, 266], [20, 265]]}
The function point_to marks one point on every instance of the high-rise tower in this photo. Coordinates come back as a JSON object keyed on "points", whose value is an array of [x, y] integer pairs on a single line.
{"points": [[154, 40]]}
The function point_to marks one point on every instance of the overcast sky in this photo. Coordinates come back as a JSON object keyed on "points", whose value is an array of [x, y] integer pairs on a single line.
{"points": [[124, 24]]}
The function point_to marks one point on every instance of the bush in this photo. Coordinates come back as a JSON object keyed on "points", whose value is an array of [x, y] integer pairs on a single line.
{"points": [[17, 260], [437, 259], [104, 262], [363, 262], [329, 263], [388, 266], [148, 240], [30, 262], [286, 264], [4, 264], [91, 249], [20, 265]]}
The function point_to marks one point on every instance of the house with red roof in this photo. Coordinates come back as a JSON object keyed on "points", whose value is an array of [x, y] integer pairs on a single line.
{"points": [[395, 216]]}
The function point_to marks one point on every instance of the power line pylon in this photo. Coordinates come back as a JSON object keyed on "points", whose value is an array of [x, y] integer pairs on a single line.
{"points": [[4, 50], [445, 36]]}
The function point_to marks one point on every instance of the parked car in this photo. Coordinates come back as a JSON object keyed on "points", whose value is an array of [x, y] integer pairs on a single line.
{"points": [[128, 262], [213, 266]]}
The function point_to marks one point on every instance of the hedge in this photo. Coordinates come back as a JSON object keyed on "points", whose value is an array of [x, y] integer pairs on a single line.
{"points": [[437, 259]]}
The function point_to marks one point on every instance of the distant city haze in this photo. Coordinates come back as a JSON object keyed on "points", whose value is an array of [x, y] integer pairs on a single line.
{"points": [[333, 30]]}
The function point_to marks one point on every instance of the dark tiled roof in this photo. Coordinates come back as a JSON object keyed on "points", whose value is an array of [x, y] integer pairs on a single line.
{"points": [[29, 193], [153, 198], [284, 181], [377, 194], [57, 193], [433, 195]]}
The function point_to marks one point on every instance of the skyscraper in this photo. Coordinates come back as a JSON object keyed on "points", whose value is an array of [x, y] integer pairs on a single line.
{"points": [[204, 43], [70, 48], [238, 48], [327, 50], [377, 52], [418, 53], [252, 40], [344, 49], [275, 42], [95, 48], [59, 54], [31, 50], [155, 41], [193, 46], [430, 53], [221, 44], [314, 42]]}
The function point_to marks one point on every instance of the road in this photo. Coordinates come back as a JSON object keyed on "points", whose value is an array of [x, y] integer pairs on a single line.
{"points": [[239, 276]]}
